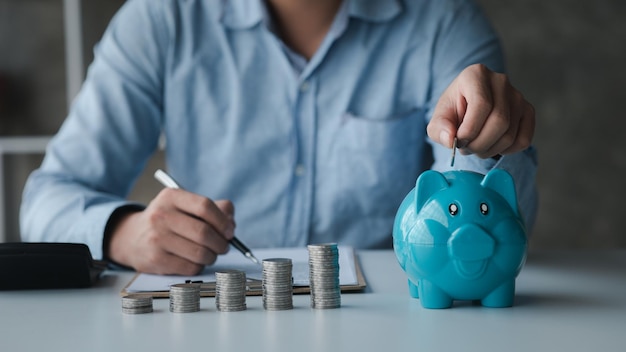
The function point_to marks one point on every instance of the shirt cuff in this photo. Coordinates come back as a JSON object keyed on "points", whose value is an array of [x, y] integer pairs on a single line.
{"points": [[93, 223]]}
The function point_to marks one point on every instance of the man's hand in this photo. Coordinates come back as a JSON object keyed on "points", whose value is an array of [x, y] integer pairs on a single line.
{"points": [[485, 112], [178, 233]]}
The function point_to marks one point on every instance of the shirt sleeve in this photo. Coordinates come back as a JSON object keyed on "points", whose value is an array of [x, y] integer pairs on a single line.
{"points": [[111, 131], [466, 37]]}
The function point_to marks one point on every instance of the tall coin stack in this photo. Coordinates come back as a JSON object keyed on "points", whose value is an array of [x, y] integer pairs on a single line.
{"points": [[136, 304], [277, 284], [324, 276], [185, 298], [230, 290]]}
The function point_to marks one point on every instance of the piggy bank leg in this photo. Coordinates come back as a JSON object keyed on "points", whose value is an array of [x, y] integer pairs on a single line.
{"points": [[433, 297], [413, 290], [501, 297]]}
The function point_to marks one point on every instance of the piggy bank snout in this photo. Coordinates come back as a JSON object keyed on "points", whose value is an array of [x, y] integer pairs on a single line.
{"points": [[470, 243]]}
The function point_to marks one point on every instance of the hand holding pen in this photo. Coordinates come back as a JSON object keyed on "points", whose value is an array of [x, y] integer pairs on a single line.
{"points": [[179, 232], [167, 181]]}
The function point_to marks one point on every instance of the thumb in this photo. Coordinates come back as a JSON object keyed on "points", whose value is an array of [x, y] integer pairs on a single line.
{"points": [[442, 128]]}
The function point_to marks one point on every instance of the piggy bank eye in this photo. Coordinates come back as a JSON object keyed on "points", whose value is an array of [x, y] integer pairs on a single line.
{"points": [[453, 209], [484, 209]]}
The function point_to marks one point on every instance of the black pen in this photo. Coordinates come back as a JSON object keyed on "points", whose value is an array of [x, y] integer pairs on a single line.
{"points": [[167, 181]]}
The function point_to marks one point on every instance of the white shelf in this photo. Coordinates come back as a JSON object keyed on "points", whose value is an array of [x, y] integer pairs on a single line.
{"points": [[23, 144]]}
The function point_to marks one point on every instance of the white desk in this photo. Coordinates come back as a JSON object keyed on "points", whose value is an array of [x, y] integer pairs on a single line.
{"points": [[566, 301]]}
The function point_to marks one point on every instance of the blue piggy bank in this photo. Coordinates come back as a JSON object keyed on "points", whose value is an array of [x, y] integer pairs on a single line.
{"points": [[459, 235]]}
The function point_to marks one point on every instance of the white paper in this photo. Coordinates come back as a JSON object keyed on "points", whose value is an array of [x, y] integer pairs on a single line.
{"points": [[235, 260]]}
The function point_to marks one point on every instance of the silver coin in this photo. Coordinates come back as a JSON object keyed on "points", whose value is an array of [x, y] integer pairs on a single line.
{"points": [[143, 310], [277, 284], [136, 304], [185, 298], [324, 276], [230, 290]]}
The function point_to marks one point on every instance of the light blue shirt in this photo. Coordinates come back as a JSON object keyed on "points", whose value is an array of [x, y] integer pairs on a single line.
{"points": [[323, 151]]}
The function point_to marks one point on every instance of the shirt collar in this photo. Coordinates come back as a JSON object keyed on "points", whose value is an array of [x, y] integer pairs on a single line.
{"points": [[243, 14]]}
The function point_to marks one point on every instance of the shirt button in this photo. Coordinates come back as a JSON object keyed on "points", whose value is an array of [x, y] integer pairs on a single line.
{"points": [[300, 170], [304, 86]]}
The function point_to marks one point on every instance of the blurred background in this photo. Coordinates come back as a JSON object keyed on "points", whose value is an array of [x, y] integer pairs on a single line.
{"points": [[566, 56]]}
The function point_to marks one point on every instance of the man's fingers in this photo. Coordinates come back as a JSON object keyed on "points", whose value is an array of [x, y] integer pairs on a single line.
{"points": [[479, 100], [227, 207], [508, 129], [186, 249], [202, 208], [164, 263], [208, 211], [199, 232], [496, 129], [183, 224], [447, 115], [462, 109], [525, 131], [441, 131]]}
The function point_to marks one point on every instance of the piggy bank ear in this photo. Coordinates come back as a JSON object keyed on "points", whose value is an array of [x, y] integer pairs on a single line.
{"points": [[502, 182], [427, 184]]}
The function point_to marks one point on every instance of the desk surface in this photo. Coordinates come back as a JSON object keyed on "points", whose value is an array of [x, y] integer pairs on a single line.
{"points": [[565, 301]]}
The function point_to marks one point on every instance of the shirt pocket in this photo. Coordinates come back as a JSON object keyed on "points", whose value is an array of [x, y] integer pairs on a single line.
{"points": [[392, 132], [373, 163]]}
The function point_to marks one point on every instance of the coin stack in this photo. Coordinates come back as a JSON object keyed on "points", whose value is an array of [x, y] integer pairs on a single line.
{"points": [[185, 298], [324, 276], [230, 290], [136, 304], [277, 284]]}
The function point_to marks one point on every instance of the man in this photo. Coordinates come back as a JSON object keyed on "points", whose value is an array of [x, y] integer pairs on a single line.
{"points": [[309, 116]]}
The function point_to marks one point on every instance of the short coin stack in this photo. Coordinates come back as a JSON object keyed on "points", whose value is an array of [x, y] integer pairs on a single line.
{"points": [[230, 290], [185, 298], [324, 276], [136, 304], [277, 284]]}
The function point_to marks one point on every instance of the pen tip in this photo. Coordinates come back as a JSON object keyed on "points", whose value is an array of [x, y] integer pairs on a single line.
{"points": [[253, 258]]}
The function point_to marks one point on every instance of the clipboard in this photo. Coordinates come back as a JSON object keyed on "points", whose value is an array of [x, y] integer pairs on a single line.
{"points": [[253, 286]]}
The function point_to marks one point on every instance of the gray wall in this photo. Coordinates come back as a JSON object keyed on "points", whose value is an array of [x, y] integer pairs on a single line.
{"points": [[566, 56]]}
